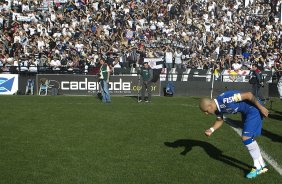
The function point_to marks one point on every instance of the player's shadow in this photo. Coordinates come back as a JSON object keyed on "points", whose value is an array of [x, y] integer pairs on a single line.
{"points": [[210, 149], [238, 124], [272, 136], [275, 115], [134, 98], [277, 112]]}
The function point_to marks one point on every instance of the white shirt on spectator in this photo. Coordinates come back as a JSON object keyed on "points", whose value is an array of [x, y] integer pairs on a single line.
{"points": [[177, 56], [130, 22], [153, 27], [208, 27], [96, 5], [257, 28], [113, 15], [168, 57], [44, 33], [26, 26], [79, 47], [55, 64], [236, 66], [25, 7], [106, 29], [16, 63], [74, 23], [205, 16], [210, 7], [138, 27], [240, 36], [160, 24], [39, 28], [5, 6], [32, 17], [142, 22], [229, 14], [217, 50], [31, 30], [66, 33], [126, 10], [57, 34], [53, 17], [40, 44], [269, 27], [183, 34], [17, 38], [169, 7]]}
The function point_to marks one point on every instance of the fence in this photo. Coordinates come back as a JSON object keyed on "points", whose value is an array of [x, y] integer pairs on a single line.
{"points": [[124, 81]]}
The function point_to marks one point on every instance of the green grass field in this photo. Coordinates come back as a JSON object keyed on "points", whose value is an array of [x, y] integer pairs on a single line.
{"points": [[65, 140]]}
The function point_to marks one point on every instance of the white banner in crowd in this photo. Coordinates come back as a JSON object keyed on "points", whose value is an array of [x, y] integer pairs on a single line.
{"points": [[235, 75], [60, 1], [247, 2], [8, 84], [154, 63], [20, 18]]}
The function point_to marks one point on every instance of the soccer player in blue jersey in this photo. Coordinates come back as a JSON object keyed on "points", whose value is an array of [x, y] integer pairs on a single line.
{"points": [[231, 102]]}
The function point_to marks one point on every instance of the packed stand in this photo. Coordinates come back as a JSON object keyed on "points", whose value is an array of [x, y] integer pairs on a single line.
{"points": [[69, 36]]}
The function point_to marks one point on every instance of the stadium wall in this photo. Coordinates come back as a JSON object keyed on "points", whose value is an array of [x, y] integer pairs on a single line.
{"points": [[182, 88], [202, 88]]}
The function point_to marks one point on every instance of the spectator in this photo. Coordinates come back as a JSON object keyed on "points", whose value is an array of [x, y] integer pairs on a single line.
{"points": [[236, 65], [104, 76], [278, 74], [256, 81], [209, 30], [146, 76], [178, 59], [168, 57]]}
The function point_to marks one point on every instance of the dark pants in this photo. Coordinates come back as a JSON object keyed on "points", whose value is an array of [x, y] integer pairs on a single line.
{"points": [[146, 86], [256, 91]]}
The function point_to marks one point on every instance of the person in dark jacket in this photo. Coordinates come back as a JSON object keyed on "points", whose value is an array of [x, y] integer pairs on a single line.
{"points": [[256, 81], [146, 76]]}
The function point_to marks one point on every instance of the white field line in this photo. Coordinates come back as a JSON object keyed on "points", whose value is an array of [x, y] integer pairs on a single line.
{"points": [[267, 157]]}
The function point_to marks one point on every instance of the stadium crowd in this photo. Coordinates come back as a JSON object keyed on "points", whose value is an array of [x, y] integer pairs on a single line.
{"points": [[71, 35]]}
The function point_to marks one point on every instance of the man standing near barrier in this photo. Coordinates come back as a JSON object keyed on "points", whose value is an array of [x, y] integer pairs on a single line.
{"points": [[231, 102], [278, 73], [104, 76], [147, 76], [256, 81]]}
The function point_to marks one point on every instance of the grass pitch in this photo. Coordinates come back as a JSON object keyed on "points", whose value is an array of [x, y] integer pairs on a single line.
{"points": [[64, 140]]}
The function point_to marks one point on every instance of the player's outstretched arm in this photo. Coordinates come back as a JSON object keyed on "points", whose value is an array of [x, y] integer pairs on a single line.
{"points": [[217, 124], [250, 97]]}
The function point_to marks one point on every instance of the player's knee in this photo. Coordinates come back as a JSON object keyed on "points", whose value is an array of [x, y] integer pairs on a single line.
{"points": [[245, 137], [247, 140]]}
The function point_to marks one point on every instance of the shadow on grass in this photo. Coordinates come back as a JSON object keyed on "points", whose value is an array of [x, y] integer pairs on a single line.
{"points": [[277, 112], [275, 115], [272, 136], [99, 96], [211, 150], [134, 98]]}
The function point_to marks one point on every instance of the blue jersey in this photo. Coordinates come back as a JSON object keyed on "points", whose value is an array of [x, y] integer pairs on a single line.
{"points": [[230, 102]]}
